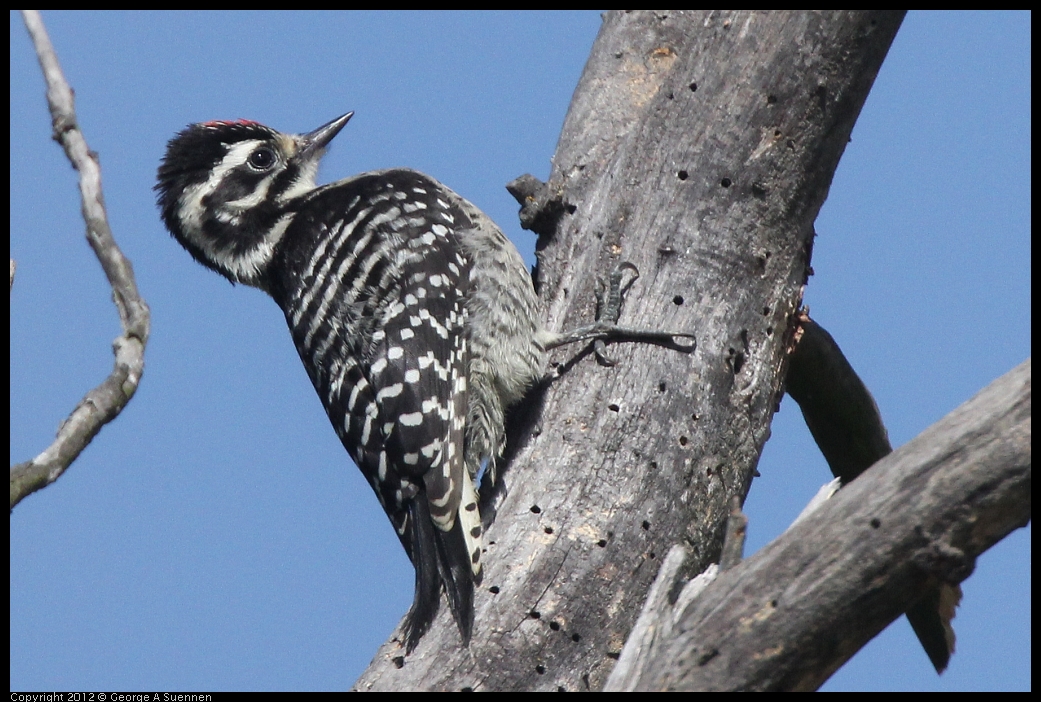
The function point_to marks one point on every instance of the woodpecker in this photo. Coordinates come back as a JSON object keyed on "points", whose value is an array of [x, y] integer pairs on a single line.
{"points": [[414, 315]]}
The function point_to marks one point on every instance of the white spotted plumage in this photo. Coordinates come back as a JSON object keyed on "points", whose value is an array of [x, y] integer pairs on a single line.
{"points": [[413, 314]]}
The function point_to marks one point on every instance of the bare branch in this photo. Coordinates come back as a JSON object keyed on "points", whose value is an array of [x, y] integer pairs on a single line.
{"points": [[789, 616], [102, 404], [847, 426]]}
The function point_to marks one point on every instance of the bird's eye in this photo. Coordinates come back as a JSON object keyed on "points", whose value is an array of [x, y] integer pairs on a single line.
{"points": [[262, 159]]}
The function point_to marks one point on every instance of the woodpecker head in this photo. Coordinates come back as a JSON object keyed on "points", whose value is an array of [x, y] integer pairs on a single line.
{"points": [[226, 190]]}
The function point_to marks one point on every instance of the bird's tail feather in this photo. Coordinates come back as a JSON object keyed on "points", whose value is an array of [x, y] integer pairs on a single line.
{"points": [[423, 549], [441, 559]]}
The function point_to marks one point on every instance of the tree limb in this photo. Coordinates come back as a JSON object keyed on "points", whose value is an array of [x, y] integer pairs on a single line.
{"points": [[792, 614], [103, 403], [847, 427]]}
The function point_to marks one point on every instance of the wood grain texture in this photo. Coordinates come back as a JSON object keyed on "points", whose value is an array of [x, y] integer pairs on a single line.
{"points": [[698, 146]]}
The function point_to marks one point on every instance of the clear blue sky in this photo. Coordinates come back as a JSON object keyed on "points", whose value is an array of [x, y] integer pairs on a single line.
{"points": [[217, 537]]}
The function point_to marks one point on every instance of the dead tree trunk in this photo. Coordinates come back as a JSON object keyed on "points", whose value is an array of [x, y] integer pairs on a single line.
{"points": [[699, 146]]}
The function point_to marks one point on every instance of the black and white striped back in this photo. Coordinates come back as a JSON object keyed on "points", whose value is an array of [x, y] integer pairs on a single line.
{"points": [[414, 316]]}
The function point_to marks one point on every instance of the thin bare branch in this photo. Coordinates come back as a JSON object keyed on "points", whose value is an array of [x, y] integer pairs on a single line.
{"points": [[103, 403]]}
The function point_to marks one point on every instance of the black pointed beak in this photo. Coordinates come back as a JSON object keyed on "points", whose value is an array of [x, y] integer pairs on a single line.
{"points": [[320, 138]]}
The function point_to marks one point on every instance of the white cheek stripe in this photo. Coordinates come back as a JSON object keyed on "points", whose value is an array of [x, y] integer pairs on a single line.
{"points": [[304, 183], [190, 207], [254, 198], [244, 267]]}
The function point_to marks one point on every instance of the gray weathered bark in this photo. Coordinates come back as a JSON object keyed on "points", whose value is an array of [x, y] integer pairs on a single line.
{"points": [[792, 614], [698, 146]]}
